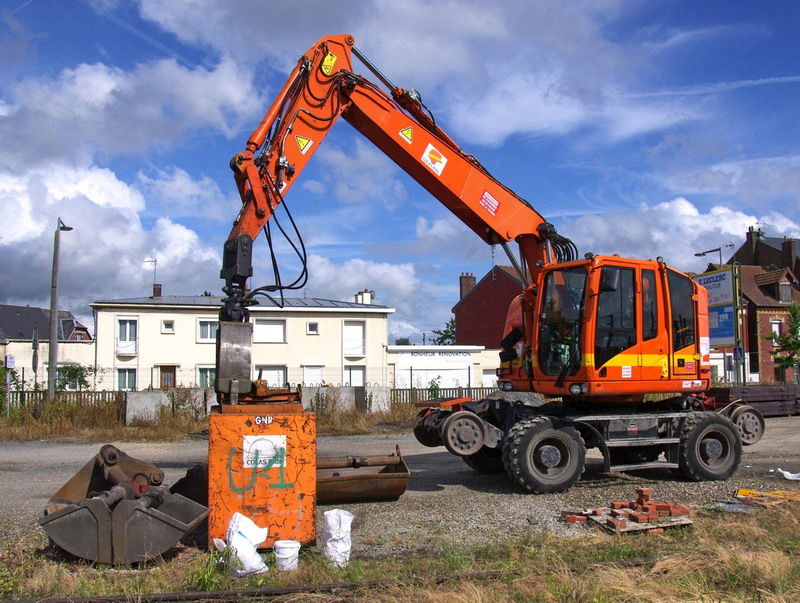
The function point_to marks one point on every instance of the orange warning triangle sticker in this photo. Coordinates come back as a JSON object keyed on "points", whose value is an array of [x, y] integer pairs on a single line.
{"points": [[303, 143], [407, 133]]}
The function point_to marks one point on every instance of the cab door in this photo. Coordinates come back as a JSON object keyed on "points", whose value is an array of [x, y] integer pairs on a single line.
{"points": [[685, 361], [617, 349]]}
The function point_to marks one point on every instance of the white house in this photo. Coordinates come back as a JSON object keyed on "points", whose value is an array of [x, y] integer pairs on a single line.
{"points": [[169, 341], [24, 336]]}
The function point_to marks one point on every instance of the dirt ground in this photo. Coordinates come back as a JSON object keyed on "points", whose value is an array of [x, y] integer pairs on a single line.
{"points": [[446, 501]]}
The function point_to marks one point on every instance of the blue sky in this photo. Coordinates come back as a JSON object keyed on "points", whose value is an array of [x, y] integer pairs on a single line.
{"points": [[640, 128]]}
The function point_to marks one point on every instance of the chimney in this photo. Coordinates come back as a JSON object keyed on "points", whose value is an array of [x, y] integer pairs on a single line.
{"points": [[365, 297], [788, 253], [156, 289], [466, 283]]}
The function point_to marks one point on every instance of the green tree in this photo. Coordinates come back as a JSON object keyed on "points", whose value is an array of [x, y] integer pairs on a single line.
{"points": [[402, 341], [787, 344], [447, 335]]}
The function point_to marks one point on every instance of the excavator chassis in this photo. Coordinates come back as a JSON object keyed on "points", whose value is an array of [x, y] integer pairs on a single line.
{"points": [[115, 510], [543, 448]]}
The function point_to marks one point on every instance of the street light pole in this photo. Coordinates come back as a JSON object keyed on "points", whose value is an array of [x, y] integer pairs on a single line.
{"points": [[52, 368], [702, 253]]}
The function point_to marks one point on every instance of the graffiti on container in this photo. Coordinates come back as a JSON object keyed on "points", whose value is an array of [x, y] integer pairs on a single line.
{"points": [[260, 454]]}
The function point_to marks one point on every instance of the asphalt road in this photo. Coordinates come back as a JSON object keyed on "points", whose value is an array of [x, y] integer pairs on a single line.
{"points": [[445, 499]]}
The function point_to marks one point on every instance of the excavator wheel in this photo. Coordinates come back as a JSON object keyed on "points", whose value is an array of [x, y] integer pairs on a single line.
{"points": [[543, 455], [486, 460], [426, 428], [710, 447], [750, 424]]}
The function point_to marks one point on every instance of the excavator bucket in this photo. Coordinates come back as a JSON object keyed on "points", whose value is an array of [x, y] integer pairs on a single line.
{"points": [[359, 479], [114, 510]]}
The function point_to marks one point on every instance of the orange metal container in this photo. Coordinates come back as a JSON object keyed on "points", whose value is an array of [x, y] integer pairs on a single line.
{"points": [[262, 463]]}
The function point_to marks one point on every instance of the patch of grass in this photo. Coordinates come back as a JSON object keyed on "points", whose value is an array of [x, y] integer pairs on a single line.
{"points": [[332, 420], [721, 558], [60, 420]]}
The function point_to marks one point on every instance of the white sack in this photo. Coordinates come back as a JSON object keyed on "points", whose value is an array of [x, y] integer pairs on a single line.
{"points": [[243, 537], [336, 536]]}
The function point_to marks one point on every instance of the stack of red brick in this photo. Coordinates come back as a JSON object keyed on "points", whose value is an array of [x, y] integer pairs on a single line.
{"points": [[643, 510]]}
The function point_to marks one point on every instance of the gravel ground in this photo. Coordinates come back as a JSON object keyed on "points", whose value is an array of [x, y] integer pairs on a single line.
{"points": [[446, 502]]}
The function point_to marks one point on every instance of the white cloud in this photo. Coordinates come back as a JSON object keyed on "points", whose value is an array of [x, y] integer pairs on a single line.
{"points": [[759, 181], [420, 306], [97, 107], [179, 194], [675, 230], [361, 174], [103, 256], [567, 75]]}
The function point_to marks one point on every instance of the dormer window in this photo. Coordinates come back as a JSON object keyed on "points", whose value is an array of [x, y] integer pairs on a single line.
{"points": [[784, 292]]}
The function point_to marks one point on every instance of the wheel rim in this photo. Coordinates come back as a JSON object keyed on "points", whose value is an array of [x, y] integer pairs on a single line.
{"points": [[749, 427], [714, 449], [463, 433], [551, 458]]}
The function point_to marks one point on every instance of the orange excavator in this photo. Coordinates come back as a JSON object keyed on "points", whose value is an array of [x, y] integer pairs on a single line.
{"points": [[616, 349]]}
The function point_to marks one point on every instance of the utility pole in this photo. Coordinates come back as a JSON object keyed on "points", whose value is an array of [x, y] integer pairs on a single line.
{"points": [[52, 368]]}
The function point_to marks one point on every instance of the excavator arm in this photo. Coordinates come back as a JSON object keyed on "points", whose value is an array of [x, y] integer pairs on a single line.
{"points": [[322, 88]]}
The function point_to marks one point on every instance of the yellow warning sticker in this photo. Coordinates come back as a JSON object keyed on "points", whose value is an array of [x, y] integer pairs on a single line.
{"points": [[303, 143], [407, 134], [328, 62]]}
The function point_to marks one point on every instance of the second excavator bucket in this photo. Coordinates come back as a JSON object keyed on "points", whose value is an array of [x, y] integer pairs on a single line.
{"points": [[115, 511]]}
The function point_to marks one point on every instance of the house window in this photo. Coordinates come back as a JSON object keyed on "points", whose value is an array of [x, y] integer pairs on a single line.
{"points": [[168, 327], [207, 330], [269, 331], [312, 328], [784, 292], [312, 375], [206, 376], [353, 338], [126, 379], [775, 327], [67, 378], [354, 376], [126, 336], [275, 376]]}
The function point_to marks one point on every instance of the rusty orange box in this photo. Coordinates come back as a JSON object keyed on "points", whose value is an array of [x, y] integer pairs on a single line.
{"points": [[263, 465]]}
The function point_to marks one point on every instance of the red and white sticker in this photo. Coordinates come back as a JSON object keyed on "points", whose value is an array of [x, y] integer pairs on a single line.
{"points": [[434, 159], [489, 203]]}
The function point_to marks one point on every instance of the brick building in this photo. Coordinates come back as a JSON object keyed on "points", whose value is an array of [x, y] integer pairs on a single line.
{"points": [[480, 314], [766, 296], [769, 285], [767, 252]]}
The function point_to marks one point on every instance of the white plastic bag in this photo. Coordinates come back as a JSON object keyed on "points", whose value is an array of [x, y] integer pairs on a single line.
{"points": [[243, 537], [336, 536], [787, 475]]}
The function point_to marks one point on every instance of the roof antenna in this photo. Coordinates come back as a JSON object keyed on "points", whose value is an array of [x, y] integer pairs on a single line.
{"points": [[153, 261]]}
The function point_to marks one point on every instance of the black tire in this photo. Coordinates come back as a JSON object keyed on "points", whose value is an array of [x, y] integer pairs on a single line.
{"points": [[710, 447], [426, 430], [635, 455], [750, 424], [486, 460], [543, 455]]}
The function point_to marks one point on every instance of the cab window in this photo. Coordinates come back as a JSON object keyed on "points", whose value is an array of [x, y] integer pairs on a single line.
{"points": [[616, 314]]}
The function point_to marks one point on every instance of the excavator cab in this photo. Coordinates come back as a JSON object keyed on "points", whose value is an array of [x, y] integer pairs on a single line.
{"points": [[608, 328]]}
